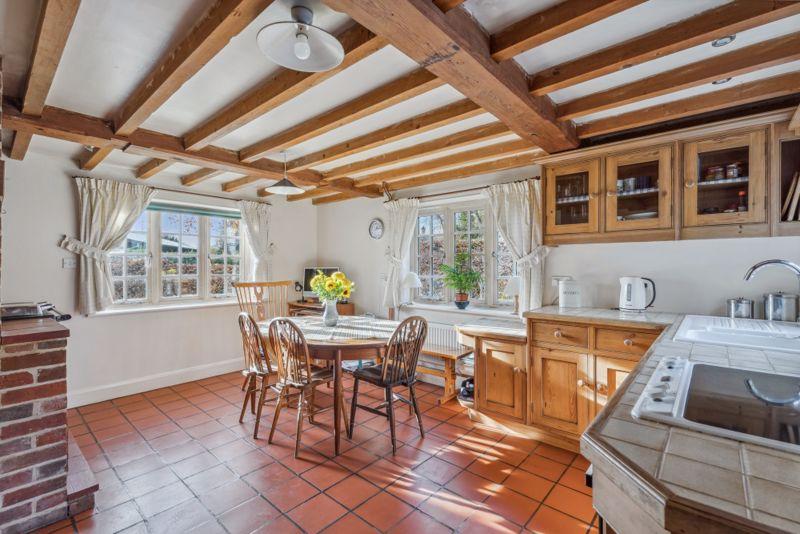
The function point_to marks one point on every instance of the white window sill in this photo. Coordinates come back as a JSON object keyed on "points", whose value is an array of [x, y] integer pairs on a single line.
{"points": [[172, 306], [481, 311]]}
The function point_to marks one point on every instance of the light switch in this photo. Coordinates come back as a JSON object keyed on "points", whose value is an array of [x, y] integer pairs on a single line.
{"points": [[69, 263]]}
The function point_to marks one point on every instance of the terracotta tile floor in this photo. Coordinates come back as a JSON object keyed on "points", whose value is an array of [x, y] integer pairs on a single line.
{"points": [[177, 460]]}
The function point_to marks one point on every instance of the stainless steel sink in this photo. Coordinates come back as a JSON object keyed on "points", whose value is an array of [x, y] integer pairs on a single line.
{"points": [[748, 333]]}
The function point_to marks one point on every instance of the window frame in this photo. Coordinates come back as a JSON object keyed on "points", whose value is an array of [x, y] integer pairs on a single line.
{"points": [[154, 273], [447, 211]]}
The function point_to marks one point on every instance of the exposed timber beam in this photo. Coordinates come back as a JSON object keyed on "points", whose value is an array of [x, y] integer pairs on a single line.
{"points": [[486, 132], [198, 176], [447, 5], [703, 28], [239, 183], [748, 59], [223, 21], [454, 47], [98, 154], [452, 113], [765, 89], [55, 22], [387, 95], [553, 23], [279, 88], [152, 167]]}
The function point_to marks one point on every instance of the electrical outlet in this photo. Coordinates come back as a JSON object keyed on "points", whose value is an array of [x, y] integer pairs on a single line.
{"points": [[555, 279], [69, 263]]}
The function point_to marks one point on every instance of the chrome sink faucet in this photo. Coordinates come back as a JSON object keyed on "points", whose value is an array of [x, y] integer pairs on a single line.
{"points": [[786, 263]]}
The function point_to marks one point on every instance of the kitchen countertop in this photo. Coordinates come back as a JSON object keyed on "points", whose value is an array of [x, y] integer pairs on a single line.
{"points": [[668, 470], [29, 330], [512, 328]]}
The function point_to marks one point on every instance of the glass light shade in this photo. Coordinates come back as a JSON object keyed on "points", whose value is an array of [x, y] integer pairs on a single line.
{"points": [[513, 287], [284, 187], [411, 281], [299, 46]]}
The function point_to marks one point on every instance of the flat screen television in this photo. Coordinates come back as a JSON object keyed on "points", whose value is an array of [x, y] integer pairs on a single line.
{"points": [[309, 273]]}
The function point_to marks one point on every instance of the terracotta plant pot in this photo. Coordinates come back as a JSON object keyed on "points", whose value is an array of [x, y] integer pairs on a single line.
{"points": [[462, 301]]}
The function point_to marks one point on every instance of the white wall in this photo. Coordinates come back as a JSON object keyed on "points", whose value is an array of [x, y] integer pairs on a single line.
{"points": [[116, 355]]}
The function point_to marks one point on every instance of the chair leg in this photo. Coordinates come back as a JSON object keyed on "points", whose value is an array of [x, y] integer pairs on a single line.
{"points": [[413, 395], [246, 398], [343, 409], [390, 413], [278, 405], [312, 407], [253, 386], [246, 380], [261, 400], [353, 407], [300, 407]]}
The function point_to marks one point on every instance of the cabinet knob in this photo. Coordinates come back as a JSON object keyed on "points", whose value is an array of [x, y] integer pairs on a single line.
{"points": [[602, 389], [689, 184], [628, 342], [581, 383], [593, 195], [557, 333], [612, 193]]}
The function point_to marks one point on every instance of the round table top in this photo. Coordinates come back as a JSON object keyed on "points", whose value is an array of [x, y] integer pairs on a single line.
{"points": [[352, 331]]}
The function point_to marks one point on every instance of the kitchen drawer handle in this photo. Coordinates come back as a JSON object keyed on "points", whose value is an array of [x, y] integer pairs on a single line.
{"points": [[557, 333], [628, 342]]}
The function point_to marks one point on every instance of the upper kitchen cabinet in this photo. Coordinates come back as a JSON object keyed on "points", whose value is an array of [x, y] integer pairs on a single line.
{"points": [[572, 198], [639, 189], [724, 180], [785, 185]]}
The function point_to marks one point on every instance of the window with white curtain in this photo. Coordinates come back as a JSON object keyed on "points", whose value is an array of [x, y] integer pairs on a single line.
{"points": [[461, 227], [179, 255]]}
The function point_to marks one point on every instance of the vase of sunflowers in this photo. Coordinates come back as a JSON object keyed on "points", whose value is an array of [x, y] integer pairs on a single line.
{"points": [[330, 289]]}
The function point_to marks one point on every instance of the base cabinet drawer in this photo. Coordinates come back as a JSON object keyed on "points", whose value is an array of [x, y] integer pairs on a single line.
{"points": [[623, 341], [562, 389], [561, 334]]}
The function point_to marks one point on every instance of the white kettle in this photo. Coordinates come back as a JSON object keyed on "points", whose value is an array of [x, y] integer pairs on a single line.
{"points": [[633, 293]]}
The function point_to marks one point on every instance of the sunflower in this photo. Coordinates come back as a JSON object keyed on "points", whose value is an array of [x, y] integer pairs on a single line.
{"points": [[346, 293], [339, 275], [330, 284]]}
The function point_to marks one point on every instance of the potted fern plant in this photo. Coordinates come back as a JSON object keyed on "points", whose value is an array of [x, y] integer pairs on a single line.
{"points": [[461, 278]]}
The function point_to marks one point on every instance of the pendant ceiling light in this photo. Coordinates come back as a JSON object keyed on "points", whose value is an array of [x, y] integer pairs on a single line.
{"points": [[299, 45], [285, 186]]}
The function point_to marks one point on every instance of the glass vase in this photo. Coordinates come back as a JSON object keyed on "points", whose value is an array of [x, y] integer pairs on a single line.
{"points": [[330, 316]]}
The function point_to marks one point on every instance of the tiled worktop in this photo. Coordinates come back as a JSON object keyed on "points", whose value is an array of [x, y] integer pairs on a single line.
{"points": [[679, 477]]}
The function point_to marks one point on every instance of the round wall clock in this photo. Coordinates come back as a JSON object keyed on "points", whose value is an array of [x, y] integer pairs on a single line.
{"points": [[376, 228]]}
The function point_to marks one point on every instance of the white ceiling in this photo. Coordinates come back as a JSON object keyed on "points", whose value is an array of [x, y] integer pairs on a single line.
{"points": [[115, 43]]}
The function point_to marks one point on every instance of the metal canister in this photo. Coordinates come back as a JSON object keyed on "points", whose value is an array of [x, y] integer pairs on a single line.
{"points": [[780, 307], [740, 308]]}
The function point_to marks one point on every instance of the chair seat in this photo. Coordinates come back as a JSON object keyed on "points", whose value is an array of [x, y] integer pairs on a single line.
{"points": [[374, 375], [254, 371]]}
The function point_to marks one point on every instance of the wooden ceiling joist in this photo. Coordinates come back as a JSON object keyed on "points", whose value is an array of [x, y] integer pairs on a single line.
{"points": [[447, 5], [459, 159], [409, 86], [748, 59], [776, 86], [199, 176], [553, 23], [239, 183], [223, 21], [152, 167], [96, 157], [728, 19], [454, 47], [452, 113], [485, 132], [279, 88], [55, 22]]}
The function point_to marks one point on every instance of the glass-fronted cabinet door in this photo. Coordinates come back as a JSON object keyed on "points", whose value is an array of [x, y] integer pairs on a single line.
{"points": [[725, 180], [572, 198], [639, 189]]}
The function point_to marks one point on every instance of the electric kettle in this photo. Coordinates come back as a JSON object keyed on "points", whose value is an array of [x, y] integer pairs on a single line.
{"points": [[633, 293]]}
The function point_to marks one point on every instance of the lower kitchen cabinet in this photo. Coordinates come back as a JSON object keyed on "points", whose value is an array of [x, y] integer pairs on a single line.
{"points": [[500, 377], [609, 373], [562, 390]]}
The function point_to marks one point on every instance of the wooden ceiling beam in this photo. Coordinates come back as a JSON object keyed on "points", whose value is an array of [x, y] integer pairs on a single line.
{"points": [[344, 186], [765, 89], [452, 113], [459, 159], [748, 59], [199, 176], [485, 132], [447, 5], [55, 23], [385, 96], [709, 25], [312, 193], [239, 183], [454, 47], [223, 21], [281, 86], [96, 157], [152, 167], [553, 23]]}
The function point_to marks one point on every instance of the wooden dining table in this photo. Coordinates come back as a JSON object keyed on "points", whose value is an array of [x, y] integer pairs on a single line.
{"points": [[355, 337]]}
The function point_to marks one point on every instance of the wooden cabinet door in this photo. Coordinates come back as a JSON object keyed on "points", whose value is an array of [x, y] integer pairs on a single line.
{"points": [[709, 194], [609, 373], [562, 389], [500, 378], [572, 193], [639, 190]]}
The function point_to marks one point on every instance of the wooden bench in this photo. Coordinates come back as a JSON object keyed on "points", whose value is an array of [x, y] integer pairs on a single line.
{"points": [[449, 355]]}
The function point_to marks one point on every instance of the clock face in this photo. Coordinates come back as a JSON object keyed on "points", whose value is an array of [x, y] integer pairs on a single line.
{"points": [[376, 228]]}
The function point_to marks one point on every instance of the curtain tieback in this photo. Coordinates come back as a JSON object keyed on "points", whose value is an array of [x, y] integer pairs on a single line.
{"points": [[535, 257], [79, 247], [394, 260]]}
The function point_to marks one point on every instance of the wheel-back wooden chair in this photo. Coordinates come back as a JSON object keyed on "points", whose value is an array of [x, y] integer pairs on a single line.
{"points": [[296, 372], [263, 301], [398, 368], [258, 367]]}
